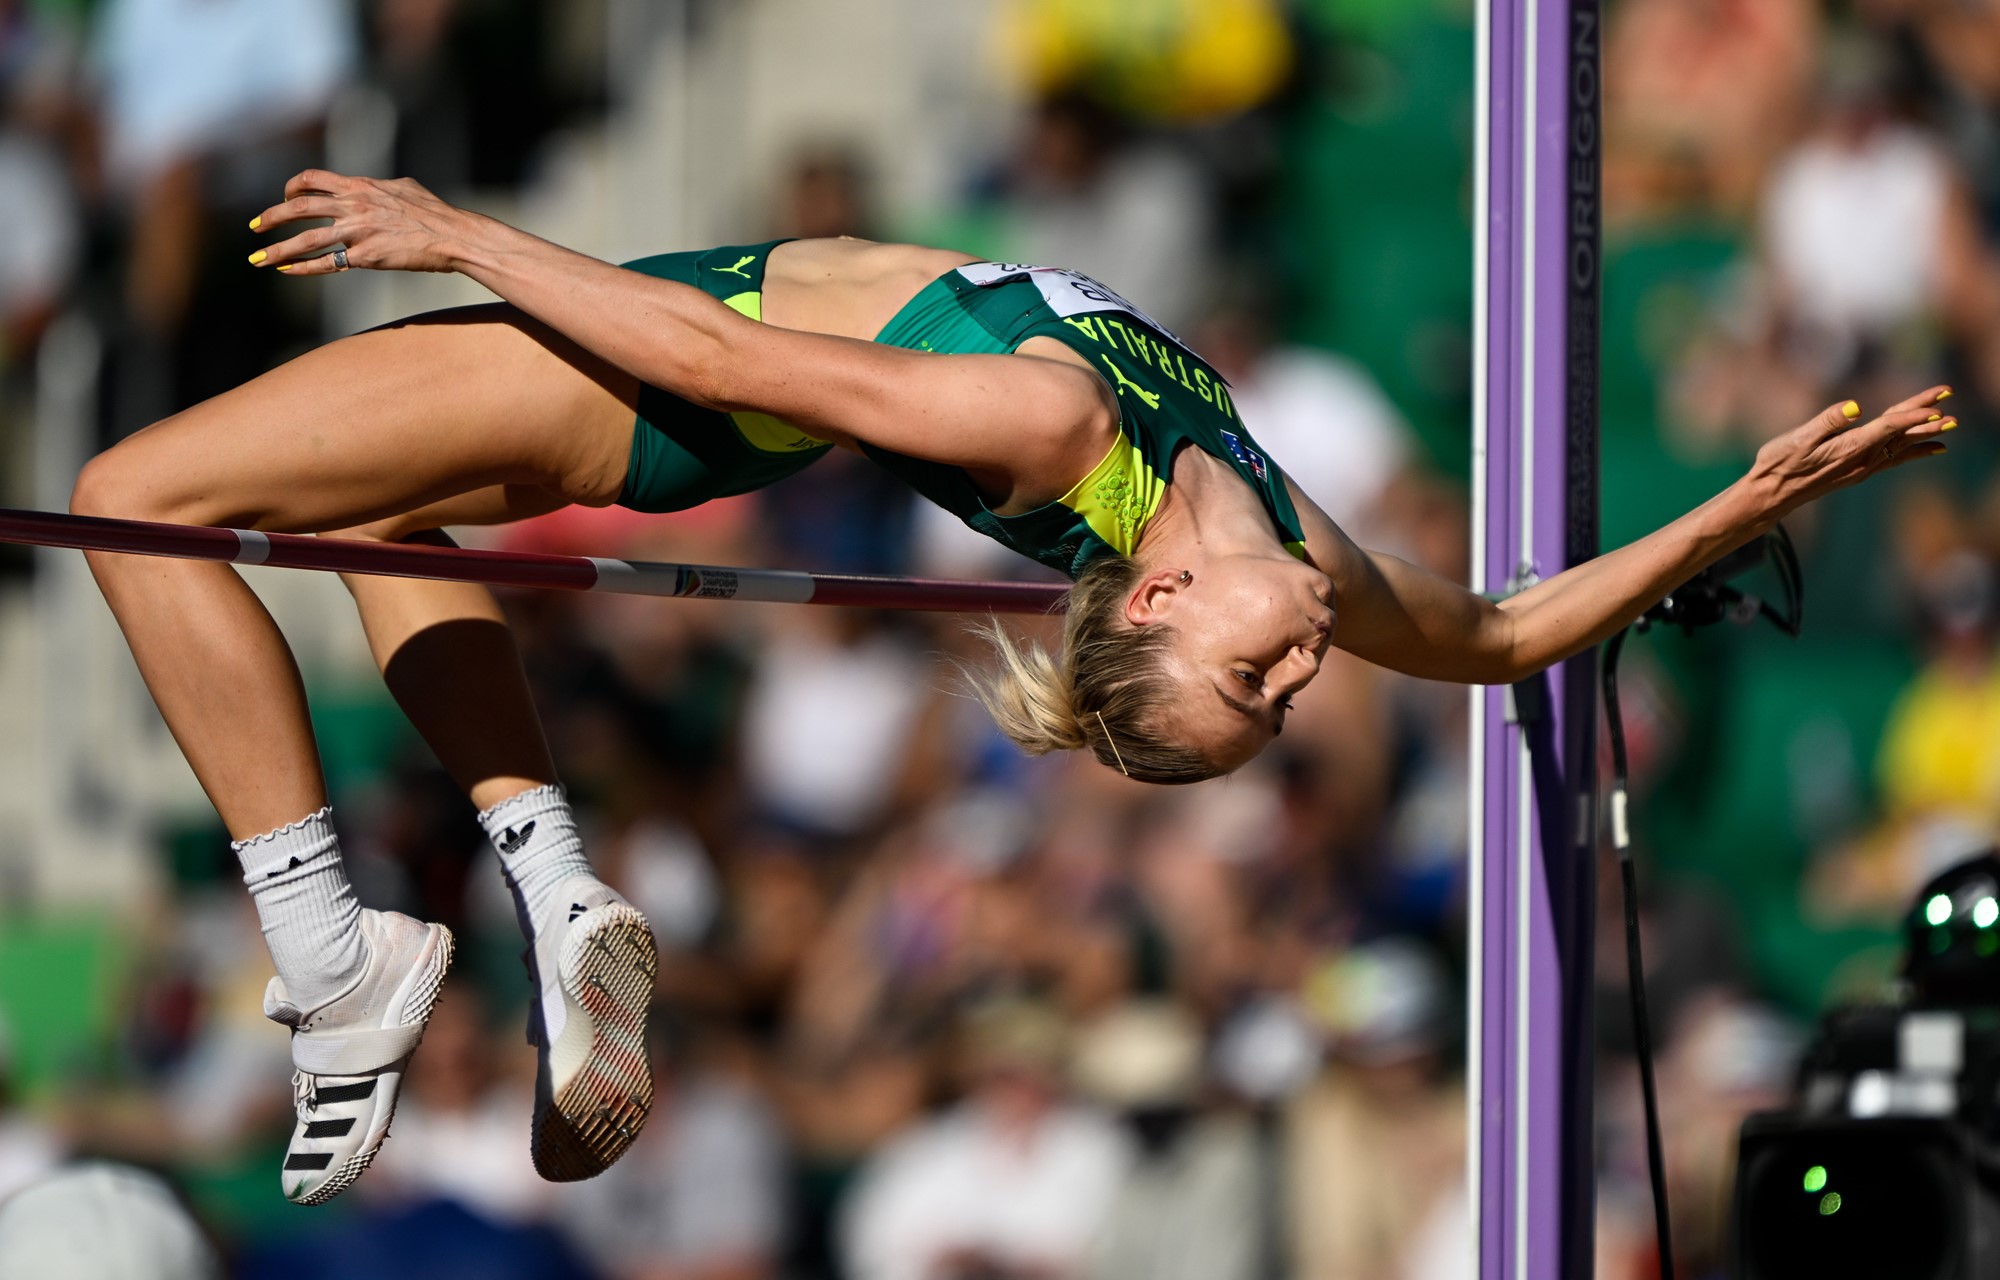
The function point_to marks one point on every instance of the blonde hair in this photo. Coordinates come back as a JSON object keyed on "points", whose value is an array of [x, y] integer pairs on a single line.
{"points": [[1109, 690]]}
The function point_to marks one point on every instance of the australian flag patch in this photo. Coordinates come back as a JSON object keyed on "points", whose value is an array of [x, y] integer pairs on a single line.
{"points": [[1247, 456]]}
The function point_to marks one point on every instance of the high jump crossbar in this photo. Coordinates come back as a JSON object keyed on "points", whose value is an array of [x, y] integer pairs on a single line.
{"points": [[525, 569]]}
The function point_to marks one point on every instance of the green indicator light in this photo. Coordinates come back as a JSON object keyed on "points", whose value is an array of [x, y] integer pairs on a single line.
{"points": [[1987, 944], [1938, 909], [1829, 1204], [1985, 912], [1816, 1178]]}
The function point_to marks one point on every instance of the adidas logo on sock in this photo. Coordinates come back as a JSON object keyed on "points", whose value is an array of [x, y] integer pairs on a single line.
{"points": [[511, 840], [576, 909], [295, 865]]}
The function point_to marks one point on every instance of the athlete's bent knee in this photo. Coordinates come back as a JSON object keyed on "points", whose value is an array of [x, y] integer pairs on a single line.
{"points": [[107, 486], [128, 482]]}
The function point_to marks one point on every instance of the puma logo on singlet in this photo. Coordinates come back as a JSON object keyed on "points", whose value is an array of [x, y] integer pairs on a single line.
{"points": [[737, 270], [1152, 398]]}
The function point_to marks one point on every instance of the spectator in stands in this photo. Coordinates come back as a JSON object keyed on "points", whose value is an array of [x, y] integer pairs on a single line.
{"points": [[188, 80], [828, 191], [828, 721], [207, 1077], [41, 237], [942, 909], [460, 1121], [103, 1222], [203, 103], [1014, 1183], [1847, 291], [1940, 755], [1191, 1206], [41, 218], [1700, 96], [701, 1195], [28, 1150], [1731, 1056], [1937, 766], [1908, 253], [1082, 193], [1952, 66], [1380, 1138], [842, 1107]]}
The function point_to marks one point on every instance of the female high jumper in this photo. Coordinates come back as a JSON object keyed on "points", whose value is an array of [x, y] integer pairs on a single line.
{"points": [[1037, 405]]}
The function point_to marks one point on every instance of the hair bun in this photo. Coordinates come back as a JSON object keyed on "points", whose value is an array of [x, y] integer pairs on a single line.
{"points": [[1116, 670]]}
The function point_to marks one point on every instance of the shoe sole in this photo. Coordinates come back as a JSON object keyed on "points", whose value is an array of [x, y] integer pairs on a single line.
{"points": [[430, 985], [606, 976]]}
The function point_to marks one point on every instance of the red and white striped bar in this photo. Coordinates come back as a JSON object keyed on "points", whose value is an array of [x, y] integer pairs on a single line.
{"points": [[526, 569]]}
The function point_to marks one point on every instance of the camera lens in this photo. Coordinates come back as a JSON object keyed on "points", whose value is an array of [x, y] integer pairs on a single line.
{"points": [[1879, 1200]]}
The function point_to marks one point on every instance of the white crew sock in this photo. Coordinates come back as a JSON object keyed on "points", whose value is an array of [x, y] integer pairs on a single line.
{"points": [[311, 920], [535, 835]]}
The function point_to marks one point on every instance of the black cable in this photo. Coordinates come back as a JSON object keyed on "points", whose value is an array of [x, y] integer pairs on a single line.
{"points": [[1635, 968], [1786, 557], [1702, 601]]}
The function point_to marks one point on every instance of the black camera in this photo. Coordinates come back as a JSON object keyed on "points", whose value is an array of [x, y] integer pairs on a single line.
{"points": [[1887, 1164]]}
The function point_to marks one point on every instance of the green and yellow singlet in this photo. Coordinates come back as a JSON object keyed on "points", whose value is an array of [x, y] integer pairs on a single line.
{"points": [[1167, 397], [683, 455]]}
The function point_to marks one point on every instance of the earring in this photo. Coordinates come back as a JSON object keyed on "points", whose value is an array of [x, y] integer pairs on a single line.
{"points": [[1186, 577]]}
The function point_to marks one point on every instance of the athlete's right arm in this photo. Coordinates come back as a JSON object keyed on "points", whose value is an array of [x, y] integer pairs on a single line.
{"points": [[1025, 427]]}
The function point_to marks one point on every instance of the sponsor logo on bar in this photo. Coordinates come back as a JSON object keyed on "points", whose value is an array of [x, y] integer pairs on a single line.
{"points": [[702, 583]]}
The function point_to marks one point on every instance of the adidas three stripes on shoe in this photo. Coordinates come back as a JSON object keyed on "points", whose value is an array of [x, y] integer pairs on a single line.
{"points": [[351, 1052]]}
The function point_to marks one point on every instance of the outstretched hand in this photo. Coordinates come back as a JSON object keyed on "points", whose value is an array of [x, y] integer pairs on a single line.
{"points": [[392, 224], [1836, 449]]}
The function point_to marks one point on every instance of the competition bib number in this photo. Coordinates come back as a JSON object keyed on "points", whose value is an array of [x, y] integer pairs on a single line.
{"points": [[1067, 293]]}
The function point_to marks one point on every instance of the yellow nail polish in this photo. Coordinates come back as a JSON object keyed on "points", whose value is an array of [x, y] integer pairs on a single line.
{"points": [[1949, 424], [286, 267], [257, 258], [257, 223], [1851, 409], [1934, 417], [1943, 396]]}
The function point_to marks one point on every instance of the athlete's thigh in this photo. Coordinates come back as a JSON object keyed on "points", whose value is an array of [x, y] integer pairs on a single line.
{"points": [[385, 422], [496, 504]]}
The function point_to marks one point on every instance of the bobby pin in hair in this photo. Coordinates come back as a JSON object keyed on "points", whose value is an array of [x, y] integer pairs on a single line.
{"points": [[1114, 745]]}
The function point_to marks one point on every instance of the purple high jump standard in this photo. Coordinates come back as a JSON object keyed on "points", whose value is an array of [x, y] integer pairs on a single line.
{"points": [[1536, 280]]}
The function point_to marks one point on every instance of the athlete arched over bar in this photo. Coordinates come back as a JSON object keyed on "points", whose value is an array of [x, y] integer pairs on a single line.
{"points": [[1038, 405]]}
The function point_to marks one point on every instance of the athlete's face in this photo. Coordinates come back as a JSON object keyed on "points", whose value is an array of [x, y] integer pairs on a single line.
{"points": [[1249, 632]]}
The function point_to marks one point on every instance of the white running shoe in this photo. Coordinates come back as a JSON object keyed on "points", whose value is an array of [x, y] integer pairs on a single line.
{"points": [[593, 962], [351, 1052]]}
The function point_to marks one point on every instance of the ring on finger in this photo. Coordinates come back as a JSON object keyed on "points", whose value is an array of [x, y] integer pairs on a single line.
{"points": [[340, 259]]}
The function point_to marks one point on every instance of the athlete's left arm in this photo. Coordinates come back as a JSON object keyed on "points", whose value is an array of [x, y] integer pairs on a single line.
{"points": [[1400, 616]]}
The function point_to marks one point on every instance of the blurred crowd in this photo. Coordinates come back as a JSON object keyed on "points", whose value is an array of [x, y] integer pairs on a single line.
{"points": [[134, 135], [933, 1011]]}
